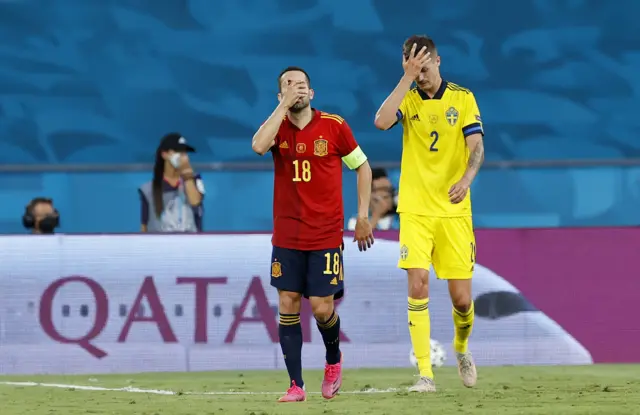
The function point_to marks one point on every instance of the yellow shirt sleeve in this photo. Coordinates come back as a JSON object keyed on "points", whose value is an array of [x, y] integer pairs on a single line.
{"points": [[402, 110], [472, 122]]}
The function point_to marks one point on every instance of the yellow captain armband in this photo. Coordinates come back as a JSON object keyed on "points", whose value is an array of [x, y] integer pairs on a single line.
{"points": [[355, 159]]}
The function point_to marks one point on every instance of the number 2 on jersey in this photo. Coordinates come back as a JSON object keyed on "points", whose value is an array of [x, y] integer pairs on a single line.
{"points": [[434, 135], [301, 171]]}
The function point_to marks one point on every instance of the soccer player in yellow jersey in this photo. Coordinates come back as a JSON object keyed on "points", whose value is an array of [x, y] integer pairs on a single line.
{"points": [[442, 152]]}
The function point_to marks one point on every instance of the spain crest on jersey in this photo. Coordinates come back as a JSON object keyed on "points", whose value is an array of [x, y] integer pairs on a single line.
{"points": [[276, 269], [452, 116], [320, 147]]}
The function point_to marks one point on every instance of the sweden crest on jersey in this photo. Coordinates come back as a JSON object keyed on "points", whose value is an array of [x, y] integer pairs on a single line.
{"points": [[452, 116]]}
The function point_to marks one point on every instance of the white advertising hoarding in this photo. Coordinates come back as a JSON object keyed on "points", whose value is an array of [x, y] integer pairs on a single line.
{"points": [[131, 303]]}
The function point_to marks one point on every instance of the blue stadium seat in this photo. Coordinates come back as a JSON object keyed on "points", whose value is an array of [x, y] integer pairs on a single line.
{"points": [[100, 82]]}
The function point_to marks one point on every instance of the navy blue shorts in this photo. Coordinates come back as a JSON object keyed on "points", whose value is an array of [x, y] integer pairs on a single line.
{"points": [[310, 273]]}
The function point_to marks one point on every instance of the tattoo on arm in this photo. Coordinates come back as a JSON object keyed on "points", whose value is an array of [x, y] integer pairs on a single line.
{"points": [[476, 158]]}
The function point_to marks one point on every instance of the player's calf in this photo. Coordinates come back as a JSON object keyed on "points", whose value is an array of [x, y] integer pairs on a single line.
{"points": [[463, 318], [419, 319], [290, 334], [328, 322], [462, 313]]}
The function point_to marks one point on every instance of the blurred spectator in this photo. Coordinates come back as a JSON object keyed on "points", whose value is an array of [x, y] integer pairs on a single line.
{"points": [[172, 201], [40, 216], [383, 206]]}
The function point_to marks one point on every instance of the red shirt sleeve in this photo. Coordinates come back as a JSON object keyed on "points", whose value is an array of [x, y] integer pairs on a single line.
{"points": [[347, 142]]}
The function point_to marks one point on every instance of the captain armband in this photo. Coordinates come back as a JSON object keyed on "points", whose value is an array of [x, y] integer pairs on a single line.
{"points": [[355, 159]]}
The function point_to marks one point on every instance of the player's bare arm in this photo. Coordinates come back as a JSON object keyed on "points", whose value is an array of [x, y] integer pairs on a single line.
{"points": [[364, 232], [476, 149], [264, 138], [355, 159], [412, 64]]}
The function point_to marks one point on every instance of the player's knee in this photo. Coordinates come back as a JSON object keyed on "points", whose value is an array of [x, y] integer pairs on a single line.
{"points": [[461, 300], [289, 302], [460, 292], [418, 290], [418, 283], [322, 308]]}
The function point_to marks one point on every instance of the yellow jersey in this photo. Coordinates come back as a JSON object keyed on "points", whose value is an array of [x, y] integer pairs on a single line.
{"points": [[434, 149]]}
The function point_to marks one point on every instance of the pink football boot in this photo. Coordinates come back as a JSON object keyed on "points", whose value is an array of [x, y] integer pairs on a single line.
{"points": [[294, 394], [332, 379]]}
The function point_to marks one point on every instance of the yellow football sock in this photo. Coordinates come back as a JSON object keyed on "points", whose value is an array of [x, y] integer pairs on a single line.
{"points": [[463, 324], [420, 330]]}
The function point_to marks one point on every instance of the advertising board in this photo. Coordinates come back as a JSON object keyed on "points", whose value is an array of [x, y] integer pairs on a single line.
{"points": [[130, 303]]}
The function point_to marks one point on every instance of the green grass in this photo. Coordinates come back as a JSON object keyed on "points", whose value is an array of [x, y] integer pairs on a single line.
{"points": [[598, 389]]}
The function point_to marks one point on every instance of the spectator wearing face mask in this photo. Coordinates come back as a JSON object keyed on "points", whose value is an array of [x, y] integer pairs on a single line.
{"points": [[172, 201], [40, 216], [383, 207]]}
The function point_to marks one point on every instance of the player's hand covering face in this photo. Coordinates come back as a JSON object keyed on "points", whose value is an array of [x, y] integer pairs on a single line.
{"points": [[414, 63], [295, 94], [363, 234]]}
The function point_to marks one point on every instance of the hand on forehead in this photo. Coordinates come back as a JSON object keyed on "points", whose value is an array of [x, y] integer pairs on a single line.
{"points": [[293, 78]]}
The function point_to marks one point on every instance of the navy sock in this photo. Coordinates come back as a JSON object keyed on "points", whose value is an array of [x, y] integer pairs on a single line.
{"points": [[330, 331], [290, 333]]}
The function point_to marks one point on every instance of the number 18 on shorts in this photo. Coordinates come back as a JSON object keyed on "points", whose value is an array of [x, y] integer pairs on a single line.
{"points": [[311, 273]]}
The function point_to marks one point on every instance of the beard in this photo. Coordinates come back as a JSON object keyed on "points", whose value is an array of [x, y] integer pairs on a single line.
{"points": [[300, 105]]}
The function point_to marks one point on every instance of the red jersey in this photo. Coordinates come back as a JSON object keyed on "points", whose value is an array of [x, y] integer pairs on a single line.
{"points": [[308, 211]]}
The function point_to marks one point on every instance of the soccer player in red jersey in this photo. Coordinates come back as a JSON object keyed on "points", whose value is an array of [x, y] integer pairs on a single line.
{"points": [[308, 148]]}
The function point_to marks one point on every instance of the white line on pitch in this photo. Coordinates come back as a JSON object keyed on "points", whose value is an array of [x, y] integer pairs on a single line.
{"points": [[168, 392]]}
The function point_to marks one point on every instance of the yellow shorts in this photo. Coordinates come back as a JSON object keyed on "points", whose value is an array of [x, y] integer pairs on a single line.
{"points": [[447, 243]]}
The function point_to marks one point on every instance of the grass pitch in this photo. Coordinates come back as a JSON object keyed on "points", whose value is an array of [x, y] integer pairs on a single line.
{"points": [[598, 389]]}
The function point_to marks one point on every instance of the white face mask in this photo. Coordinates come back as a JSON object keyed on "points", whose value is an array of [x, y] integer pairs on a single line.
{"points": [[175, 160]]}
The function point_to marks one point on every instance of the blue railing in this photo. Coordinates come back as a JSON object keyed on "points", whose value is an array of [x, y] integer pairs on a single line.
{"points": [[239, 196]]}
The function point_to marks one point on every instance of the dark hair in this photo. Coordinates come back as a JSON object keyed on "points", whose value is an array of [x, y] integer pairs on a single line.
{"points": [[420, 41], [292, 69], [156, 184], [378, 173]]}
